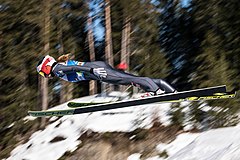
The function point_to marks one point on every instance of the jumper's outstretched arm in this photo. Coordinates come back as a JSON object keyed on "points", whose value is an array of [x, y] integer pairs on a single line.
{"points": [[68, 69], [99, 72]]}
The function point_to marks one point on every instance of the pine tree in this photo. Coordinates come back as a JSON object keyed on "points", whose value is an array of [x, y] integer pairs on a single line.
{"points": [[178, 41], [20, 44], [176, 115], [92, 84], [20, 39], [141, 42], [108, 39], [227, 20], [214, 67], [43, 82], [146, 40], [69, 35]]}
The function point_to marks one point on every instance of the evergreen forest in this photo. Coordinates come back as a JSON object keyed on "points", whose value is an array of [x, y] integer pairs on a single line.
{"points": [[191, 44]]}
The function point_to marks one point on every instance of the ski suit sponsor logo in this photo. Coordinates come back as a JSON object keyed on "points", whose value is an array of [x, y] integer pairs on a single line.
{"points": [[52, 113], [209, 97]]}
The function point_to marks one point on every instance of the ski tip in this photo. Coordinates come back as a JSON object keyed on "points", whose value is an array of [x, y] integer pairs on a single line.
{"points": [[70, 104], [75, 105], [83, 104]]}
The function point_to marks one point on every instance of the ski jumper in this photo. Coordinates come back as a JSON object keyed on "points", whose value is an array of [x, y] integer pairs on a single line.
{"points": [[75, 71]]}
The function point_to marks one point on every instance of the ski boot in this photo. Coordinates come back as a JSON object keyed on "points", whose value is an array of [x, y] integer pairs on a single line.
{"points": [[150, 94]]}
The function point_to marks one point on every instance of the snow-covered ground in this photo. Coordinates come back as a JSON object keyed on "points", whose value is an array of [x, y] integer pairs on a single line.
{"points": [[219, 144]]}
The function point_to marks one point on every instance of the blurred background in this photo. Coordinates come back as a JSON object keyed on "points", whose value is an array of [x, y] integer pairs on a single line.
{"points": [[190, 43]]}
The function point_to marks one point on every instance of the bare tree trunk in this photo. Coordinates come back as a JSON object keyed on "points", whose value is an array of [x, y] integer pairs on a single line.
{"points": [[69, 91], [125, 45], [46, 37], [1, 54], [92, 84], [70, 86], [128, 39], [63, 91], [44, 97], [108, 39], [66, 92]]}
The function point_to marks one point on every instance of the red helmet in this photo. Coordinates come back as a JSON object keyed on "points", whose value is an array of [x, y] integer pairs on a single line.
{"points": [[45, 65]]}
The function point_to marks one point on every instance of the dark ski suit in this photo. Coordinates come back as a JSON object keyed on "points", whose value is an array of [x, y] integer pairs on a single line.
{"points": [[114, 76]]}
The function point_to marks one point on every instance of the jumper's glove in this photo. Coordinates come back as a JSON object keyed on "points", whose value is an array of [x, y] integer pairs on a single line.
{"points": [[99, 72]]}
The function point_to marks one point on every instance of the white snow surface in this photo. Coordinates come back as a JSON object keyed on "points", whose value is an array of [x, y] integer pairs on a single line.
{"points": [[218, 144]]}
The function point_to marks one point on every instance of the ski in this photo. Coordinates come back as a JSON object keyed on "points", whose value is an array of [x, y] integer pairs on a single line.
{"points": [[207, 91], [83, 104], [215, 96], [218, 92]]}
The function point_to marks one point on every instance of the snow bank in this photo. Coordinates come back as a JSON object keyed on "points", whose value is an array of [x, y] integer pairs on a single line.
{"points": [[62, 134], [218, 144]]}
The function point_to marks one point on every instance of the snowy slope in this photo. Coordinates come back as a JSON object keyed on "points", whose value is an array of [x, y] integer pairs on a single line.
{"points": [[71, 128], [220, 144], [217, 144]]}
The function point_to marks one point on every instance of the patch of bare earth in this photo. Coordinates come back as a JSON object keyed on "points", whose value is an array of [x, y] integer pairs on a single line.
{"points": [[120, 145]]}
